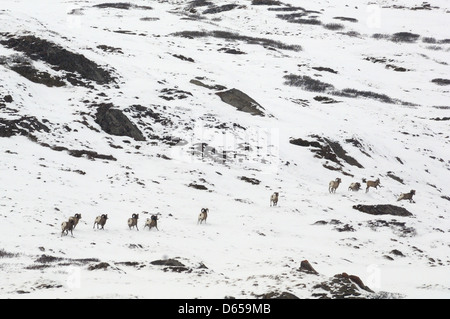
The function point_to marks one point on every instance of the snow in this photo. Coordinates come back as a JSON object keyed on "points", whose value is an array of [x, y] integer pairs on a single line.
{"points": [[248, 247]]}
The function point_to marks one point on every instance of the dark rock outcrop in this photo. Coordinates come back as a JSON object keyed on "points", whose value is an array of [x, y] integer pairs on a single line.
{"points": [[59, 58], [114, 122], [241, 101], [342, 286], [171, 264], [327, 149], [384, 209], [250, 180], [305, 266], [22, 126], [278, 295]]}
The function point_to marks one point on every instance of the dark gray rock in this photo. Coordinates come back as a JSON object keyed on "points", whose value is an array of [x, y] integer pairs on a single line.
{"points": [[278, 295], [114, 122], [22, 126], [305, 266], [385, 209], [241, 101], [327, 149]]}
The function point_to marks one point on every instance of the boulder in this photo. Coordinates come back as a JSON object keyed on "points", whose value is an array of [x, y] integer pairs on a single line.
{"points": [[241, 101], [114, 122], [305, 266], [385, 209]]}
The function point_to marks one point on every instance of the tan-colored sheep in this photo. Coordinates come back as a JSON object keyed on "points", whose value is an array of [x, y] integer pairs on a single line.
{"points": [[333, 185], [373, 184], [354, 187], [407, 196], [67, 226], [274, 199], [132, 222], [203, 215]]}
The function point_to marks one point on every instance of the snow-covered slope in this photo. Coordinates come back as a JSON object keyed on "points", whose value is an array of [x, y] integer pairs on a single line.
{"points": [[120, 108]]}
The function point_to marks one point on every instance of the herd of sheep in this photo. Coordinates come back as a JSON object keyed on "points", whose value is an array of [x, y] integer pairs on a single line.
{"points": [[100, 221], [356, 186]]}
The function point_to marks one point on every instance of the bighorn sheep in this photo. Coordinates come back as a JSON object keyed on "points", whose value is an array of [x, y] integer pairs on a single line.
{"points": [[76, 218], [369, 184], [274, 199], [203, 215], [152, 222], [333, 185], [132, 222], [101, 220], [354, 187], [407, 196], [67, 226]]}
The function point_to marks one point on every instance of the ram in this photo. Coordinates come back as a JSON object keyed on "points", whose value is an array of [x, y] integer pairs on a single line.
{"points": [[151, 222], [333, 185], [407, 196], [203, 215], [132, 222], [373, 184], [101, 221], [67, 226]]}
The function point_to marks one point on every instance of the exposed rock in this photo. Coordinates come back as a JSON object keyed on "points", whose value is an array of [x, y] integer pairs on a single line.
{"points": [[278, 295], [22, 126], [397, 252], [172, 94], [92, 155], [101, 265], [356, 280], [327, 149], [325, 99], [345, 228], [58, 57], [342, 286], [250, 180], [266, 2], [231, 51], [230, 36], [321, 68], [305, 266], [211, 87], [121, 5], [218, 9], [441, 81], [384, 209], [399, 228], [198, 186], [171, 264], [183, 58], [8, 98], [24, 66], [241, 101], [109, 49], [114, 122]]}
